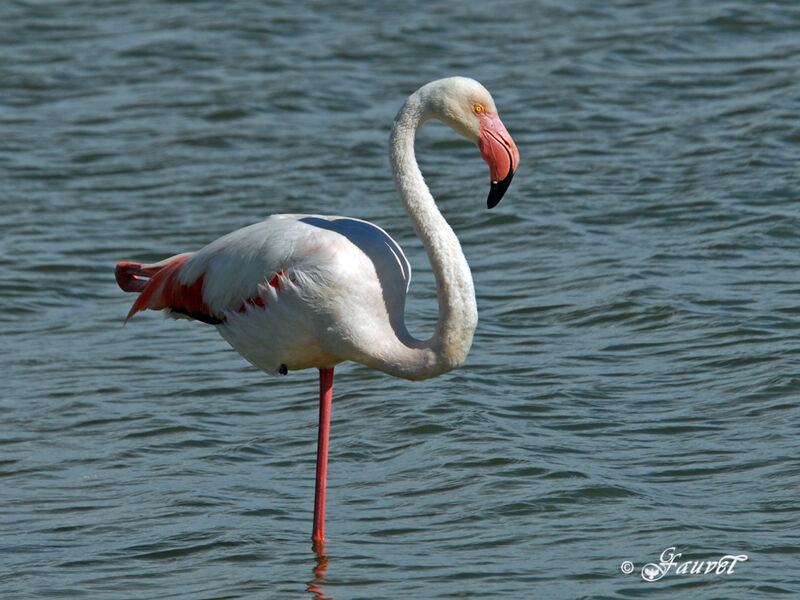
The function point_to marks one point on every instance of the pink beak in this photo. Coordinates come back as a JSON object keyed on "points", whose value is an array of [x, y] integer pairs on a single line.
{"points": [[500, 152]]}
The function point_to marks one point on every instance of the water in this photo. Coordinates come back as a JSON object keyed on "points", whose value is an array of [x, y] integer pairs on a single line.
{"points": [[633, 384]]}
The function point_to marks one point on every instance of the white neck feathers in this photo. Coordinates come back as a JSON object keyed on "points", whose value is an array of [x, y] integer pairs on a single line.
{"points": [[458, 313]]}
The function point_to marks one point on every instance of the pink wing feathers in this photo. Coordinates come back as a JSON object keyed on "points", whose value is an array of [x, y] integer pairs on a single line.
{"points": [[160, 287]]}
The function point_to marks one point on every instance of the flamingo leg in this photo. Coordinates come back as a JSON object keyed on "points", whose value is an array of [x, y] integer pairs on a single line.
{"points": [[325, 401]]}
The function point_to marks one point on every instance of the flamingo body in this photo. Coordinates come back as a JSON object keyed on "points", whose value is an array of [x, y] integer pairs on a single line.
{"points": [[301, 291], [292, 292]]}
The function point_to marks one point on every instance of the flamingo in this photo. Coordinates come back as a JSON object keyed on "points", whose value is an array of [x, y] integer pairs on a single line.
{"points": [[303, 291]]}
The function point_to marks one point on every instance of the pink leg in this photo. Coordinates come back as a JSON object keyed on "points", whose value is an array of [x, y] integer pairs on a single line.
{"points": [[325, 400]]}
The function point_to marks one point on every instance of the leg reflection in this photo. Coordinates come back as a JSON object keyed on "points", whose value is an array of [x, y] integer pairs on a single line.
{"points": [[315, 585]]}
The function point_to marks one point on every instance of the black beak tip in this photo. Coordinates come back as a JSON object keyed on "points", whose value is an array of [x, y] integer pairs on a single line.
{"points": [[498, 190]]}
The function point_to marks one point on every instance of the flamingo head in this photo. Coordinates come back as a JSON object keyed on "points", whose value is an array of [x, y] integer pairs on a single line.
{"points": [[468, 107]]}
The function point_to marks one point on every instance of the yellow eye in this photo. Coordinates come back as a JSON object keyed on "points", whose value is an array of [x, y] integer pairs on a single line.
{"points": [[478, 108]]}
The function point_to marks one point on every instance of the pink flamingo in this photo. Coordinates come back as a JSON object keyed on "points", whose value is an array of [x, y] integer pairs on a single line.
{"points": [[302, 291]]}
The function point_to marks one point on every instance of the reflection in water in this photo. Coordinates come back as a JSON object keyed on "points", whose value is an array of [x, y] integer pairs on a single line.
{"points": [[315, 585]]}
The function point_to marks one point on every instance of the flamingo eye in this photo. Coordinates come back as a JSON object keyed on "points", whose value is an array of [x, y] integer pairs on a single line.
{"points": [[478, 108]]}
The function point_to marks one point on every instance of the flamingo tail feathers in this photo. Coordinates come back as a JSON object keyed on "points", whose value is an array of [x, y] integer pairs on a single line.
{"points": [[159, 288]]}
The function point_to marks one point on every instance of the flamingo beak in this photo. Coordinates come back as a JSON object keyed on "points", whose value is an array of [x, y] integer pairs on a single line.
{"points": [[500, 152]]}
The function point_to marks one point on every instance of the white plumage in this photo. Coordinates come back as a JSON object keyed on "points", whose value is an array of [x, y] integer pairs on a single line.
{"points": [[301, 291]]}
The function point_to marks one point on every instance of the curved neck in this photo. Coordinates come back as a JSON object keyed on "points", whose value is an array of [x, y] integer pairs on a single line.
{"points": [[458, 313]]}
